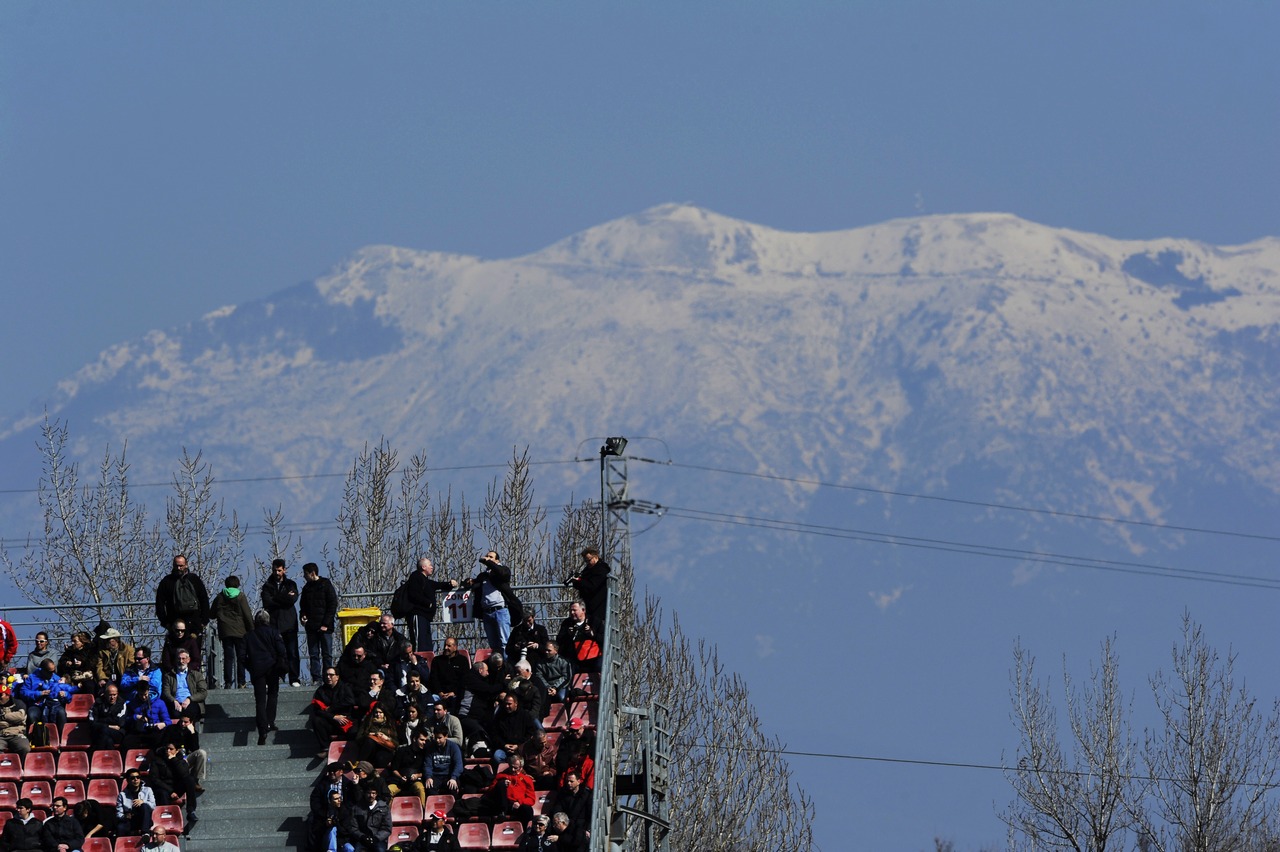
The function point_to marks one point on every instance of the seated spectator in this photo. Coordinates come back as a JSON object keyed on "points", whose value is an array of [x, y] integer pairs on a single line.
{"points": [[62, 831], [134, 805], [334, 711], [78, 662], [530, 689], [328, 829], [179, 638], [528, 639], [184, 735], [510, 728], [114, 656], [377, 738], [376, 693], [157, 840], [509, 796], [141, 670], [171, 781], [476, 706], [40, 653], [404, 774], [109, 718], [442, 764], [405, 664], [93, 818], [448, 671], [368, 824], [148, 716], [436, 835], [540, 761], [13, 723], [440, 715], [23, 832], [576, 753], [535, 837], [560, 834], [184, 689], [385, 644], [354, 667], [577, 640], [499, 671], [46, 694], [555, 672], [413, 692], [411, 721]]}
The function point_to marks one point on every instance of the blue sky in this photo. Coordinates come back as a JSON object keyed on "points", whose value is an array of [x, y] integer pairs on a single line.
{"points": [[160, 160]]}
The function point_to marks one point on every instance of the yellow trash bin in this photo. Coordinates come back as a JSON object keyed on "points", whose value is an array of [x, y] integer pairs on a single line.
{"points": [[355, 618]]}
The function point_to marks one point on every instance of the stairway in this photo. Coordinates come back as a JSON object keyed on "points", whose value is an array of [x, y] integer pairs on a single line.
{"points": [[256, 797]]}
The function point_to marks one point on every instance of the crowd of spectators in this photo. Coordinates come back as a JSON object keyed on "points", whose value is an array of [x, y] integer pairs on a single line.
{"points": [[499, 735]]}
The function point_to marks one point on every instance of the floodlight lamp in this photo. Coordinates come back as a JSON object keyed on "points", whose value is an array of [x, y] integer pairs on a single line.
{"points": [[613, 446]]}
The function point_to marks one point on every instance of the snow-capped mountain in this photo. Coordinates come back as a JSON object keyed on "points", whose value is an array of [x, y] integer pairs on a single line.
{"points": [[1078, 371]]}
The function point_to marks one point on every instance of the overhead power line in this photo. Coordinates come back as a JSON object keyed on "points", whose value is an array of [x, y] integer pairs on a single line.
{"points": [[966, 502]]}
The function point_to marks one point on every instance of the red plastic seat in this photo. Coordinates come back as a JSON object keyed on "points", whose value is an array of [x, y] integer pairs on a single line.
{"points": [[96, 844], [482, 654], [136, 758], [169, 816], [129, 843], [441, 802], [71, 789], [106, 763], [473, 835], [506, 835], [10, 766], [402, 834], [39, 764], [426, 656], [406, 810], [105, 791], [40, 792], [465, 655], [73, 764], [540, 799], [8, 796], [337, 750], [587, 682], [79, 706], [75, 735]]}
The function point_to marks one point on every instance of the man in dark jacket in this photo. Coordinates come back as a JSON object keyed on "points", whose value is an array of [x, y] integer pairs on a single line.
{"points": [[318, 612], [369, 822], [266, 654], [23, 832], [182, 595], [384, 644], [592, 582], [62, 831], [170, 779], [280, 599], [510, 728], [495, 603], [422, 604], [109, 718], [334, 710], [235, 620], [447, 673]]}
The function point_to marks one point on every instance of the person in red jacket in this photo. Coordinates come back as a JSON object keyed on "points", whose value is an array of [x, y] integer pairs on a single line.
{"points": [[509, 796]]}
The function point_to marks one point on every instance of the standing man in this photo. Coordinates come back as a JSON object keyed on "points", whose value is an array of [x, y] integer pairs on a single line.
{"points": [[592, 583], [266, 654], [319, 614], [279, 599], [181, 595], [235, 620], [498, 606], [422, 602]]}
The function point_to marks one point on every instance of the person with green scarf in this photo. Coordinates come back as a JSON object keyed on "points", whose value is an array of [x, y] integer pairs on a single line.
{"points": [[235, 619]]}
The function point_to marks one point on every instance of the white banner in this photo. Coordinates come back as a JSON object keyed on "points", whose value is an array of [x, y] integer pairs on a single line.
{"points": [[456, 608]]}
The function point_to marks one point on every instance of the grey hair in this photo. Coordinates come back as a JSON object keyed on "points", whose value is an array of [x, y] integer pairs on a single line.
{"points": [[261, 617]]}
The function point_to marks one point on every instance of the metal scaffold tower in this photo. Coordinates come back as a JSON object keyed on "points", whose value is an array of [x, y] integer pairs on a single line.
{"points": [[633, 743]]}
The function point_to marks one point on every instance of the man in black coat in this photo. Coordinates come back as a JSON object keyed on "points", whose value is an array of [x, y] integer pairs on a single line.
{"points": [[170, 779], [279, 599], [62, 831], [447, 673], [23, 832], [318, 612], [592, 583], [265, 654], [181, 595], [422, 592]]}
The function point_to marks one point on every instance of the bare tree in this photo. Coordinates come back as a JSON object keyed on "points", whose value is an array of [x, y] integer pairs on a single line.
{"points": [[366, 524], [198, 525], [98, 545], [1072, 799], [451, 538], [1213, 761], [514, 525]]}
